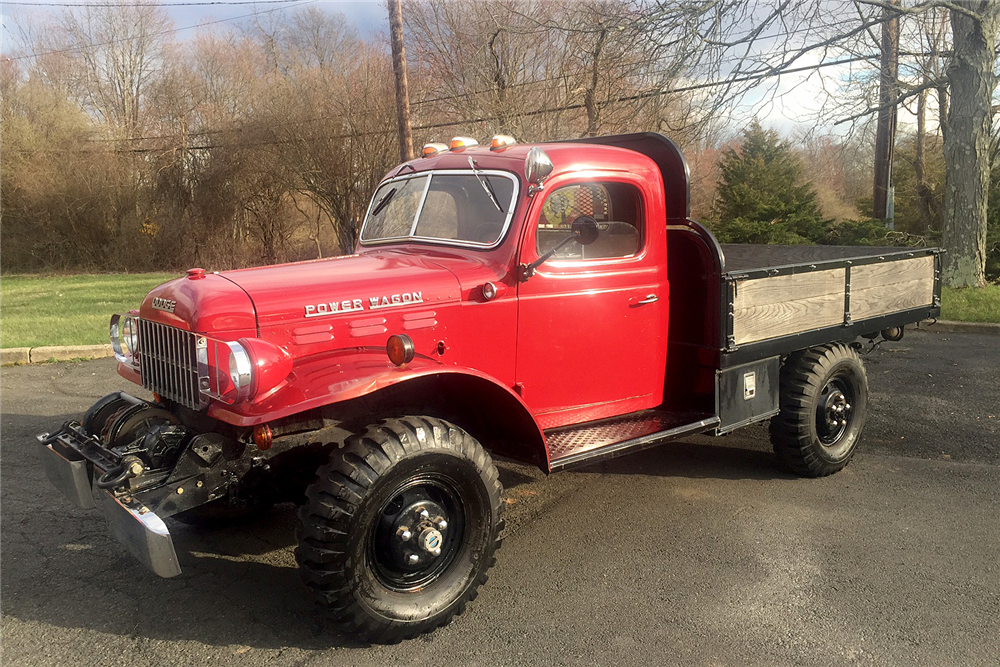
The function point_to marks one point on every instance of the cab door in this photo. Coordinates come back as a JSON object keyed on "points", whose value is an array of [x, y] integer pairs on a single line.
{"points": [[591, 326]]}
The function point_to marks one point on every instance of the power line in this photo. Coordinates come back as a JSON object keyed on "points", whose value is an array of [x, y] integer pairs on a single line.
{"points": [[749, 78], [285, 5], [752, 76]]}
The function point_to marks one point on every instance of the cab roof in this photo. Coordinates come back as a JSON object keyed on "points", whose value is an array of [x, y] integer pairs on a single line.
{"points": [[624, 152]]}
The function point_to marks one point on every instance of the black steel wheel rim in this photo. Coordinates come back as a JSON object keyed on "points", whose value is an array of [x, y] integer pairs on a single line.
{"points": [[409, 524], [834, 410]]}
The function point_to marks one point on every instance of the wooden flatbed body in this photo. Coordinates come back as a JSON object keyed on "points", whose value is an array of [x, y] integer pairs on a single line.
{"points": [[775, 294]]}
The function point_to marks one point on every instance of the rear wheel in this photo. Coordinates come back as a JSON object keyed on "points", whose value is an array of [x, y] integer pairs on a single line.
{"points": [[400, 528], [824, 403]]}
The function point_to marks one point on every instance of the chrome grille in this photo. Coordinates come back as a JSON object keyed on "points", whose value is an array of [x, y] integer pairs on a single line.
{"points": [[168, 363]]}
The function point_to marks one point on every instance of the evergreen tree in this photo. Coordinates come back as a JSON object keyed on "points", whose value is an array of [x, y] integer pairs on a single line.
{"points": [[763, 196]]}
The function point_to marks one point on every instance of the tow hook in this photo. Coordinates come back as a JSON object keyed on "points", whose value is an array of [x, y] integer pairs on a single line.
{"points": [[129, 467]]}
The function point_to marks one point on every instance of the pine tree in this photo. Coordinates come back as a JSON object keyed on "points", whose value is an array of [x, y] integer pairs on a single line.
{"points": [[762, 195]]}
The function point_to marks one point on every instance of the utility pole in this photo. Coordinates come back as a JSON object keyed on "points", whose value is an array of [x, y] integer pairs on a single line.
{"points": [[405, 132], [885, 134]]}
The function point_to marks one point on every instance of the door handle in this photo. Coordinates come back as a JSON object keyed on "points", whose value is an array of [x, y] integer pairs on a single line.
{"points": [[650, 298]]}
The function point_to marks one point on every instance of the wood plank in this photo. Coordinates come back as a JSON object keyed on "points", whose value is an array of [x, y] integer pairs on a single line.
{"points": [[879, 289], [875, 301], [771, 320], [892, 272], [780, 289]]}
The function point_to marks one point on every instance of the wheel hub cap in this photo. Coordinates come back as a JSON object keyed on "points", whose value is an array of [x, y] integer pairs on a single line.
{"points": [[833, 413], [416, 536]]}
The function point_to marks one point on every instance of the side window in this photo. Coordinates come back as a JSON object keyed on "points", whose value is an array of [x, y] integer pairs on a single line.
{"points": [[616, 208]]}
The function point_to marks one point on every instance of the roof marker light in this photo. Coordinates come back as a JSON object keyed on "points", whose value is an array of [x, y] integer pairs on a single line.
{"points": [[431, 150], [501, 141], [458, 143]]}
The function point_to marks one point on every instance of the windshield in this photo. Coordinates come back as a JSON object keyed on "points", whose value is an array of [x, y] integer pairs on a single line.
{"points": [[456, 207]]}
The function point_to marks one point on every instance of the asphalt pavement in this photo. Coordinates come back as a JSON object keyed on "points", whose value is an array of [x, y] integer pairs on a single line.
{"points": [[699, 552]]}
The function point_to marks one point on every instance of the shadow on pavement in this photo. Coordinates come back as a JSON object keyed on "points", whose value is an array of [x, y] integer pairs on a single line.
{"points": [[240, 583], [701, 457]]}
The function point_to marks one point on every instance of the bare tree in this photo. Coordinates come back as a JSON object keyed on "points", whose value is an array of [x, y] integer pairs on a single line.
{"points": [[968, 140], [116, 51], [747, 42]]}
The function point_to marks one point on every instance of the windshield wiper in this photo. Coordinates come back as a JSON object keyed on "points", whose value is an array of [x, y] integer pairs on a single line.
{"points": [[484, 181], [382, 203]]}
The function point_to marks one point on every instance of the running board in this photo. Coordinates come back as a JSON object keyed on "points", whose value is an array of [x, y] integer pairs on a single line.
{"points": [[608, 438]]}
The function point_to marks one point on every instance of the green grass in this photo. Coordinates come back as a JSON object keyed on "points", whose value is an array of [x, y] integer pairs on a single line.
{"points": [[970, 304], [68, 310]]}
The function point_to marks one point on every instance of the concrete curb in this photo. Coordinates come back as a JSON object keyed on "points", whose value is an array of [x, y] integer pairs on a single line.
{"points": [[951, 326], [35, 355]]}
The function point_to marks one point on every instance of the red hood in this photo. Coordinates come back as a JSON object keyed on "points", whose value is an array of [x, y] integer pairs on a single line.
{"points": [[209, 303], [375, 281]]}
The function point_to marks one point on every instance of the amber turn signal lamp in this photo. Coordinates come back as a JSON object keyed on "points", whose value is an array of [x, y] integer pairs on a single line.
{"points": [[458, 143], [400, 349], [501, 141], [431, 150], [262, 436]]}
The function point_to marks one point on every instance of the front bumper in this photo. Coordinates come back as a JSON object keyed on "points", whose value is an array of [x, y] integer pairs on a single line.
{"points": [[139, 529]]}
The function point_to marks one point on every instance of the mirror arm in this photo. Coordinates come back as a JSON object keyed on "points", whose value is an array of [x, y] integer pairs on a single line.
{"points": [[528, 270]]}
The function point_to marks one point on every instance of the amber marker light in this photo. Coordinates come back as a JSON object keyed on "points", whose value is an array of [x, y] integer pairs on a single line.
{"points": [[458, 143], [262, 437], [501, 141], [431, 150], [400, 349]]}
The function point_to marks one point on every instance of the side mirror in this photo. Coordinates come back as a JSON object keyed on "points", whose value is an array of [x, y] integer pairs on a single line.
{"points": [[583, 230]]}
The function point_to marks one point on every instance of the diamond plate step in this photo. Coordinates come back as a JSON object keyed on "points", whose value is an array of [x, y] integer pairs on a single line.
{"points": [[605, 438]]}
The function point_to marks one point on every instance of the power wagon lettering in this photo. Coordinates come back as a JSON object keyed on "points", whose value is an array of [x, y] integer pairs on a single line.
{"points": [[374, 303]]}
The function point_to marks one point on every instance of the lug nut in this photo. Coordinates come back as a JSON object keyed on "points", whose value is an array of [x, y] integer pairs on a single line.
{"points": [[413, 559], [404, 533], [436, 552], [424, 514], [442, 524]]}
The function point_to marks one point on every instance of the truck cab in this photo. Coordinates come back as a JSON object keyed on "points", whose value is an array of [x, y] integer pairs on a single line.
{"points": [[551, 304]]}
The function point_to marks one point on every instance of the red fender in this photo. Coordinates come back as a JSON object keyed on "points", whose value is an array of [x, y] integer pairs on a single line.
{"points": [[342, 375]]}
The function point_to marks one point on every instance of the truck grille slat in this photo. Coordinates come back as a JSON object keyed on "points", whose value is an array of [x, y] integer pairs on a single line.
{"points": [[168, 363]]}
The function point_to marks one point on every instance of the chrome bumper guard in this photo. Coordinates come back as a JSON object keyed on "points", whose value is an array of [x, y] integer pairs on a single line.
{"points": [[141, 532]]}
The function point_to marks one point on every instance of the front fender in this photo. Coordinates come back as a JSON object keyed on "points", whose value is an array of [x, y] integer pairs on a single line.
{"points": [[342, 375]]}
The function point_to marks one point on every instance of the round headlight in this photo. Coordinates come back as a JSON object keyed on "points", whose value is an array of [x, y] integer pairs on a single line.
{"points": [[240, 370], [130, 335], [124, 337]]}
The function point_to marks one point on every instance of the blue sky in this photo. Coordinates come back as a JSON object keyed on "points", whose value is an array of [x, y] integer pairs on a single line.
{"points": [[367, 15]]}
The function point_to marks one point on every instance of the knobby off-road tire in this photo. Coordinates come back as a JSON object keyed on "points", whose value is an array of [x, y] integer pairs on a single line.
{"points": [[377, 512], [824, 403]]}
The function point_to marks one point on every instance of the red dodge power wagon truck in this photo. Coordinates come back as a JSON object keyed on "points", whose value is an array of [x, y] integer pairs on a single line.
{"points": [[551, 304]]}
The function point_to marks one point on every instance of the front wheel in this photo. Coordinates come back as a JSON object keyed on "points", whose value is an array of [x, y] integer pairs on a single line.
{"points": [[824, 403], [400, 528]]}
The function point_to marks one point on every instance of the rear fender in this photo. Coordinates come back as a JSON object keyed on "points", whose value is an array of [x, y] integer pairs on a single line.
{"points": [[364, 382]]}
